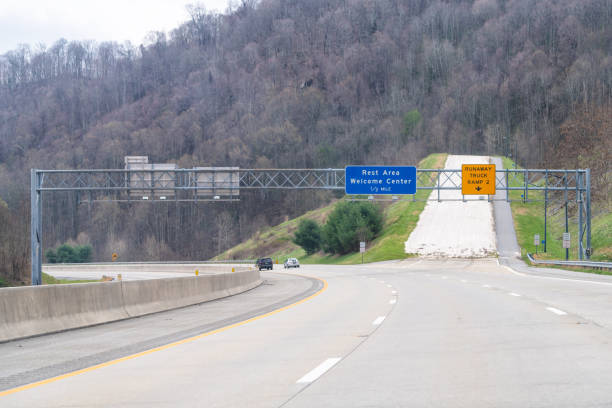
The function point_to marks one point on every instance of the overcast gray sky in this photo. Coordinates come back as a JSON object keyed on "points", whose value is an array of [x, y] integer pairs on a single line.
{"points": [[45, 21]]}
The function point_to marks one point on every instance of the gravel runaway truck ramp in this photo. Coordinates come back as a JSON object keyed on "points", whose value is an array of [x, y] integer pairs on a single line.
{"points": [[454, 228]]}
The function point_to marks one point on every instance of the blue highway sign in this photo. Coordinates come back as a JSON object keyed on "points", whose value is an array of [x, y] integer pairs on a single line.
{"points": [[380, 180]]}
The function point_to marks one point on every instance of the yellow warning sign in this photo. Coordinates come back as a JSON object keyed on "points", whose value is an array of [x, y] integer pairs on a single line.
{"points": [[115, 256], [478, 179]]}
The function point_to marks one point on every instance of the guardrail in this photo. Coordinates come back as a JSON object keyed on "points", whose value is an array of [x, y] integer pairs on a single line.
{"points": [[584, 264]]}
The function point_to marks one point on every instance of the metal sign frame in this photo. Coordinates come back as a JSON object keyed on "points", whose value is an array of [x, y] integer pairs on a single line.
{"points": [[181, 185]]}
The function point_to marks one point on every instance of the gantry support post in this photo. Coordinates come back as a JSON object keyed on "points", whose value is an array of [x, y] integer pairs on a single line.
{"points": [[588, 213], [36, 227], [580, 199]]}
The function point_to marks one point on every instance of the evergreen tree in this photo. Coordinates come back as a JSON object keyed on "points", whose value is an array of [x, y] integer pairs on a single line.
{"points": [[308, 236]]}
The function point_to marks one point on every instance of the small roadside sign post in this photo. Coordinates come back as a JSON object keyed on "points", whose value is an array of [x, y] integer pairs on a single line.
{"points": [[566, 240], [536, 241], [478, 179], [566, 244], [362, 249]]}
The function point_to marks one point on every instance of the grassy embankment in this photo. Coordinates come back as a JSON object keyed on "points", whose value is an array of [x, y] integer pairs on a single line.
{"points": [[50, 280], [400, 218], [529, 220]]}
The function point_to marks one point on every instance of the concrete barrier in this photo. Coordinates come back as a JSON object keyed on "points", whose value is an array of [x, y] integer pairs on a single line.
{"points": [[150, 267], [154, 295], [36, 310]]}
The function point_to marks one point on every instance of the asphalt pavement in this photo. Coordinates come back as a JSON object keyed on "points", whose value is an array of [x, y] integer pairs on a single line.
{"points": [[415, 333]]}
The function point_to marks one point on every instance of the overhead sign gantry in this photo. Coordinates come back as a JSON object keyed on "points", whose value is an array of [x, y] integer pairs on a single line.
{"points": [[144, 182]]}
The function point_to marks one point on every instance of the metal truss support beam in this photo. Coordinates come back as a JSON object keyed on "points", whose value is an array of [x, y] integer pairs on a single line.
{"points": [[195, 180]]}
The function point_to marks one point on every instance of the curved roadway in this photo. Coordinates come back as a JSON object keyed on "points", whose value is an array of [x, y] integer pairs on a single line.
{"points": [[397, 334]]}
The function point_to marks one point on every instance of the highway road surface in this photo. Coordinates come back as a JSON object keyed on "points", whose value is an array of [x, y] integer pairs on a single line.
{"points": [[414, 333]]}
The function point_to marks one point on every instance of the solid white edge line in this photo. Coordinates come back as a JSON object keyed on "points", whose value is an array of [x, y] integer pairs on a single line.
{"points": [[378, 320], [486, 286], [514, 294], [556, 311], [393, 301], [556, 278], [319, 370], [513, 271]]}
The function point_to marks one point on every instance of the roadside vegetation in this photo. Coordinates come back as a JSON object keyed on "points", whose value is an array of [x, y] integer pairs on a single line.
{"points": [[349, 223], [67, 253], [399, 218], [529, 220], [50, 280], [308, 236]]}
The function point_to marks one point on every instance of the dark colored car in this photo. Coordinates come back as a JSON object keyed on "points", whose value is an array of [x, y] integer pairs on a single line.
{"points": [[264, 263]]}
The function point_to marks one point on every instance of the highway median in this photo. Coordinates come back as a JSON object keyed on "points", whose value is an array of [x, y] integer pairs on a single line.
{"points": [[37, 310]]}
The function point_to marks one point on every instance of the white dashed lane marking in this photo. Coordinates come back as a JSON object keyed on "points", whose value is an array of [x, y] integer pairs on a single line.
{"points": [[319, 370], [556, 311], [378, 320]]}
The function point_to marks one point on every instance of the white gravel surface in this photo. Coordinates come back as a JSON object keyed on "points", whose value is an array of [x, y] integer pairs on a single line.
{"points": [[454, 228]]}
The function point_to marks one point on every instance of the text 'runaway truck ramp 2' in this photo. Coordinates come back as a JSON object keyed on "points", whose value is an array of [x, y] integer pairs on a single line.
{"points": [[478, 179], [380, 180]]}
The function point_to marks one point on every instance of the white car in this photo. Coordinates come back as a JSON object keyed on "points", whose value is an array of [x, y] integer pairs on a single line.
{"points": [[292, 263]]}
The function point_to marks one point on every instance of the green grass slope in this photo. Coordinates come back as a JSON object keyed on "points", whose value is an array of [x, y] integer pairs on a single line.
{"points": [[529, 220], [51, 280], [400, 218]]}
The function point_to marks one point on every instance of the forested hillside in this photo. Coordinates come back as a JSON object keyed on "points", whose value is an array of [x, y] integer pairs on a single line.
{"points": [[291, 83]]}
